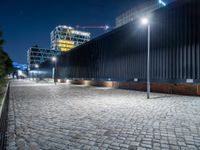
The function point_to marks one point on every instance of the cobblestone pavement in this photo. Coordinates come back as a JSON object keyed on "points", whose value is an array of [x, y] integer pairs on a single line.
{"points": [[47, 116]]}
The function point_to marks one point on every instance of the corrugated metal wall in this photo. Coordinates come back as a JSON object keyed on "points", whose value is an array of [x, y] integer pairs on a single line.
{"points": [[121, 55]]}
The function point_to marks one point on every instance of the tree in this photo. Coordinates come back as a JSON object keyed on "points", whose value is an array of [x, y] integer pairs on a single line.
{"points": [[2, 72], [5, 61]]}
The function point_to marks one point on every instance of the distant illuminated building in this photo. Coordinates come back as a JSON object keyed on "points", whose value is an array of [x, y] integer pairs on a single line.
{"points": [[139, 11], [64, 38], [37, 55]]}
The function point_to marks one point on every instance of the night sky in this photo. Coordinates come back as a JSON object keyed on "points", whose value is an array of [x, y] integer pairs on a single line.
{"points": [[29, 22]]}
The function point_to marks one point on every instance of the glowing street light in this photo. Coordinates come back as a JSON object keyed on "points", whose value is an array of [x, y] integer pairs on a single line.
{"points": [[37, 67], [145, 21], [54, 59]]}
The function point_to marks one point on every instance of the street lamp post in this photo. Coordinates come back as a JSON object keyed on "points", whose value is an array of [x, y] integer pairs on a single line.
{"points": [[145, 21], [36, 66], [54, 69]]}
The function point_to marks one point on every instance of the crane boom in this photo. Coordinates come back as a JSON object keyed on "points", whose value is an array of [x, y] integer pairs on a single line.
{"points": [[106, 27]]}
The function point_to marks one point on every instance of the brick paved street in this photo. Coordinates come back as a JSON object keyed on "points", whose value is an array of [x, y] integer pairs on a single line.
{"points": [[45, 116]]}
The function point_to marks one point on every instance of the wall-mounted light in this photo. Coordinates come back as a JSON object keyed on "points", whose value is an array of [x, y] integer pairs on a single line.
{"points": [[162, 3], [189, 81]]}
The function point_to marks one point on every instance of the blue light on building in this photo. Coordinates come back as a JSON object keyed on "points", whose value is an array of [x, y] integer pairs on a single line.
{"points": [[162, 3], [18, 66]]}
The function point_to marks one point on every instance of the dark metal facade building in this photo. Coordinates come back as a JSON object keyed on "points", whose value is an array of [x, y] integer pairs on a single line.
{"points": [[121, 55]]}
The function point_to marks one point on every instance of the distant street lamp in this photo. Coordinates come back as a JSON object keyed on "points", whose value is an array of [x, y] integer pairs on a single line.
{"points": [[145, 21], [54, 59], [37, 67]]}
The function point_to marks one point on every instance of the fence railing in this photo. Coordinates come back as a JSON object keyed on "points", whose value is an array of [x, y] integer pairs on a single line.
{"points": [[4, 118]]}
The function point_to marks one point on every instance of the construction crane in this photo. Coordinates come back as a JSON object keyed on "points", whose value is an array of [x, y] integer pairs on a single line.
{"points": [[105, 27]]}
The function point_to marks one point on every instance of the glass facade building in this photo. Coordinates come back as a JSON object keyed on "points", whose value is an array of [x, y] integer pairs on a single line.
{"points": [[64, 38], [37, 55]]}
